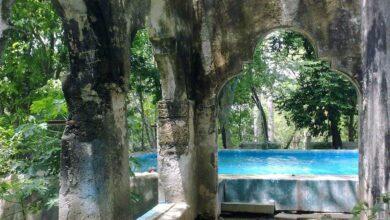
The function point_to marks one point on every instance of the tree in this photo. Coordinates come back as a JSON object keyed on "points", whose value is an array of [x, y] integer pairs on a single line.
{"points": [[226, 99], [261, 118], [320, 99], [293, 55], [145, 91]]}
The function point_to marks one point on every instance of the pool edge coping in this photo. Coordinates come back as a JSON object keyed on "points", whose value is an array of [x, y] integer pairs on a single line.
{"points": [[288, 177]]}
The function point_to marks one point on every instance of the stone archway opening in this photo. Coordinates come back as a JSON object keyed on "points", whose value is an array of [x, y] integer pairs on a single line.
{"points": [[143, 95], [287, 98]]}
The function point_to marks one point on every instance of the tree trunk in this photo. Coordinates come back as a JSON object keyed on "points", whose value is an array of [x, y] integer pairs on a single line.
{"points": [[262, 117], [240, 138], [374, 167], [225, 100], [256, 124], [336, 137], [307, 140], [146, 130], [351, 128], [271, 124], [295, 141], [290, 139], [94, 175], [224, 139], [226, 136]]}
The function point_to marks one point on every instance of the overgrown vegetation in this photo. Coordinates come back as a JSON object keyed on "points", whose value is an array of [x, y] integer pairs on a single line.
{"points": [[33, 109], [144, 94], [32, 61]]}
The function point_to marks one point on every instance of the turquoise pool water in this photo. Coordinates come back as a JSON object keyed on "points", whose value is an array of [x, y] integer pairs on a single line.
{"points": [[294, 162]]}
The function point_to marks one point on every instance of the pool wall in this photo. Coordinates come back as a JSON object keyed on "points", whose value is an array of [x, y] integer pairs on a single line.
{"points": [[292, 193], [316, 193]]}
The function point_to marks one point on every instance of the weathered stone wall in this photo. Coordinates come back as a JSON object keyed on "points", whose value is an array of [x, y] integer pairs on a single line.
{"points": [[171, 32], [233, 28], [375, 129], [94, 159], [176, 153], [207, 158]]}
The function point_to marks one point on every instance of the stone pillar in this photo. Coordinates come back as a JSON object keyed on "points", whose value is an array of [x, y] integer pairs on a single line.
{"points": [[176, 153], [374, 176], [207, 159], [94, 174], [171, 30]]}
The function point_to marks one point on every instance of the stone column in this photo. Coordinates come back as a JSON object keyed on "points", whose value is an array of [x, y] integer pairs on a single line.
{"points": [[207, 159], [176, 153], [171, 30], [94, 159], [374, 176]]}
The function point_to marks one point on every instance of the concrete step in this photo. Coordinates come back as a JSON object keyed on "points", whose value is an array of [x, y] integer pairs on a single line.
{"points": [[322, 216], [240, 207]]}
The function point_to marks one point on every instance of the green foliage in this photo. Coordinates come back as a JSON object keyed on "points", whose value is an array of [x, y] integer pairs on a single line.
{"points": [[144, 76], [31, 194], [52, 104], [31, 151], [241, 116], [33, 148], [321, 96], [33, 57], [382, 204], [33, 54], [145, 92]]}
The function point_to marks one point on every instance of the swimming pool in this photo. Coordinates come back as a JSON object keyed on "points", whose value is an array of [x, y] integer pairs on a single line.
{"points": [[293, 162]]}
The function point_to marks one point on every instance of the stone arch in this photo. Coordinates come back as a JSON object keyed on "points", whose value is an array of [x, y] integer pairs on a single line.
{"points": [[331, 26], [348, 75]]}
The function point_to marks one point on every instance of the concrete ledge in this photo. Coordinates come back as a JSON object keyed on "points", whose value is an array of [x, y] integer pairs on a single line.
{"points": [[289, 177], [144, 185], [339, 216], [167, 211], [247, 208]]}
